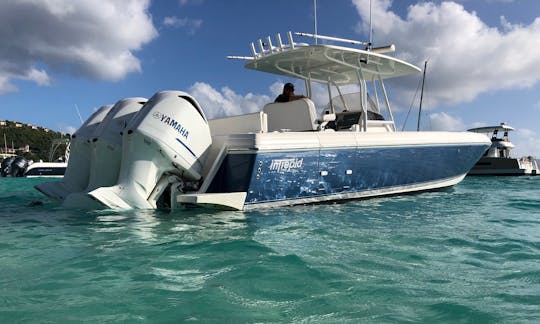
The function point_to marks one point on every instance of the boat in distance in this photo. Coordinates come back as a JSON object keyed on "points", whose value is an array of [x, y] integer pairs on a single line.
{"points": [[46, 169], [18, 166], [52, 168], [287, 153], [497, 159]]}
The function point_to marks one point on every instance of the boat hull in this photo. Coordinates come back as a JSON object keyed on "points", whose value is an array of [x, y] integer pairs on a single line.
{"points": [[46, 169], [496, 166], [288, 178], [316, 170]]}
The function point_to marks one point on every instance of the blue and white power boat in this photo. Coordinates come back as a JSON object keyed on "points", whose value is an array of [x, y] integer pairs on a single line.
{"points": [[287, 153]]}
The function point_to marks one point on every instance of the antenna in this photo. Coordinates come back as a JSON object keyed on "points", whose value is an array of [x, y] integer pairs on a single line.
{"points": [[79, 113], [315, 14], [421, 97], [370, 28], [335, 39]]}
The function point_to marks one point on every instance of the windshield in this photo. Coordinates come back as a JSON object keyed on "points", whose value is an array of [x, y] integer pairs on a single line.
{"points": [[352, 103]]}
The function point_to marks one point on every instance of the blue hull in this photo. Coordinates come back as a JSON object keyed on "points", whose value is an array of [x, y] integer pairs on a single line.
{"points": [[280, 176]]}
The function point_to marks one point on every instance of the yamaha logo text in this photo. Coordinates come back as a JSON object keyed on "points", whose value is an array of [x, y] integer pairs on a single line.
{"points": [[172, 123]]}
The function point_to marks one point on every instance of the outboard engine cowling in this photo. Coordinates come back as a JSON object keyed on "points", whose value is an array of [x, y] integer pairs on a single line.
{"points": [[18, 166], [6, 166], [78, 169], [169, 135], [106, 151]]}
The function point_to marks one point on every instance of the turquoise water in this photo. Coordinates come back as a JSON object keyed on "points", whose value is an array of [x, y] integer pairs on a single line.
{"points": [[470, 254]]}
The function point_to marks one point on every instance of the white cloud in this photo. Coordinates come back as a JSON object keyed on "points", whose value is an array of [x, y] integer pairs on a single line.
{"points": [[226, 102], [524, 132], [277, 88], [466, 56], [529, 147], [478, 124], [85, 38], [508, 26], [68, 129], [191, 25], [527, 143], [5, 85], [190, 2], [444, 122], [38, 76]]}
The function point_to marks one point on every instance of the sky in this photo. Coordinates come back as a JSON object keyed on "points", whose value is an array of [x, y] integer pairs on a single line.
{"points": [[61, 58]]}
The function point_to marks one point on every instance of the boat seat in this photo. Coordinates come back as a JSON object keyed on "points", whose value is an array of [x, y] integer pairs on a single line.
{"points": [[298, 115], [248, 123]]}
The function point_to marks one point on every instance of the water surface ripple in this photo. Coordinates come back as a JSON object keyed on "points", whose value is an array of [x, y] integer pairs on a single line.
{"points": [[470, 254]]}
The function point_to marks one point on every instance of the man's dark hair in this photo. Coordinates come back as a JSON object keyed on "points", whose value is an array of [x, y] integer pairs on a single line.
{"points": [[288, 86]]}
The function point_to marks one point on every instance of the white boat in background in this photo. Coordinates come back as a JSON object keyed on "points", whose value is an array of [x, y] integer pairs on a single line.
{"points": [[497, 159], [52, 168], [285, 154]]}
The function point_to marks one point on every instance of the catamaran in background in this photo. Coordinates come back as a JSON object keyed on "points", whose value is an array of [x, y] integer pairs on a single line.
{"points": [[497, 159], [285, 154]]}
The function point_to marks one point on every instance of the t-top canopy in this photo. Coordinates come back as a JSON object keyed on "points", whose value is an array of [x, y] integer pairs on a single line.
{"points": [[488, 129], [324, 63]]}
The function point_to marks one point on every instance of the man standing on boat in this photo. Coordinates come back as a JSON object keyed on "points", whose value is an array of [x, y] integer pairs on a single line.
{"points": [[288, 94]]}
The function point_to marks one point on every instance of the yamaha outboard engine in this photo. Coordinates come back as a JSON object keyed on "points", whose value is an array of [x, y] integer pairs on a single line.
{"points": [[18, 166], [78, 169], [106, 151], [6, 166], [168, 138]]}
